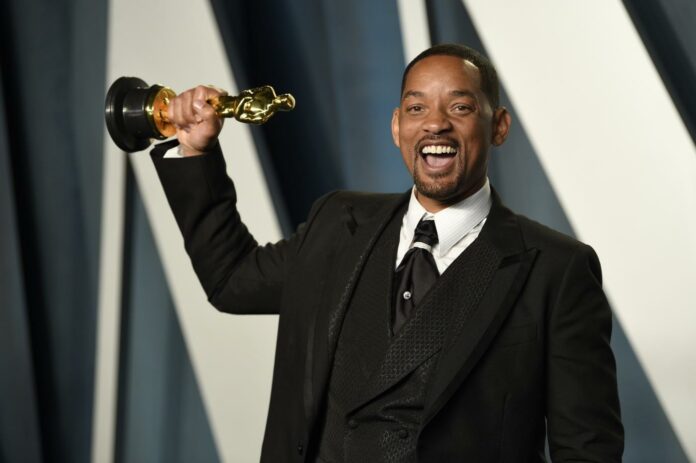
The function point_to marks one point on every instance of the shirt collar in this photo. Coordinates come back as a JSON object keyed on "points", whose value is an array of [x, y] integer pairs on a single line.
{"points": [[454, 222]]}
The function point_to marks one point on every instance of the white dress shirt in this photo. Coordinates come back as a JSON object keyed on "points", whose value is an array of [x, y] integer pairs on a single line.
{"points": [[457, 226], [174, 153]]}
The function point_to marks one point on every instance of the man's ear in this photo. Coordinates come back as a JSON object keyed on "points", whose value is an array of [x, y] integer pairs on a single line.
{"points": [[501, 125], [395, 127]]}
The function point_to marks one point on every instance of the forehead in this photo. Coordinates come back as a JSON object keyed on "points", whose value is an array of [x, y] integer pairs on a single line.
{"points": [[443, 70]]}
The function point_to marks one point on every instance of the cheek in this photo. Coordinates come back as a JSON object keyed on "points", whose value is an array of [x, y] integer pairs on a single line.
{"points": [[476, 140], [406, 145]]}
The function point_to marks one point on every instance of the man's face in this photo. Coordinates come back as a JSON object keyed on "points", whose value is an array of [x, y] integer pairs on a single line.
{"points": [[444, 128]]}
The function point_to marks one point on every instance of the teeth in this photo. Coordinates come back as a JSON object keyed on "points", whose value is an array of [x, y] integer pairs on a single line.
{"points": [[438, 149]]}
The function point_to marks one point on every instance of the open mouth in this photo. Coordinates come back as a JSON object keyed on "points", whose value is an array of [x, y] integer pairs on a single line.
{"points": [[438, 156]]}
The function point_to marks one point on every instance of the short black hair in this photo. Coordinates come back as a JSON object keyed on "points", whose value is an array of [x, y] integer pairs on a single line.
{"points": [[489, 76]]}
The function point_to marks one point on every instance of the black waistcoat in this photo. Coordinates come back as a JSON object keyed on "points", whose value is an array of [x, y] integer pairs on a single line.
{"points": [[384, 427]]}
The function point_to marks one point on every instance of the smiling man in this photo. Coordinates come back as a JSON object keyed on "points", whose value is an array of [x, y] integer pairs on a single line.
{"points": [[446, 125], [431, 326]]}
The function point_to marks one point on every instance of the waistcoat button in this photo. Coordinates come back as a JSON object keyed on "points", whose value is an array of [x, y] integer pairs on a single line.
{"points": [[352, 424], [403, 433]]}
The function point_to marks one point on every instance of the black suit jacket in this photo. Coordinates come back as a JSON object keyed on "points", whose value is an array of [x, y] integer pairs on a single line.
{"points": [[531, 356]]}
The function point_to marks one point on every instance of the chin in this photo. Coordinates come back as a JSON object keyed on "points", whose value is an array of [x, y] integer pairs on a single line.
{"points": [[443, 192]]}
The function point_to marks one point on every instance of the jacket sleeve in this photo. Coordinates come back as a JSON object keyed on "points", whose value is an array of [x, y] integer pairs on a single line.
{"points": [[583, 416], [237, 274]]}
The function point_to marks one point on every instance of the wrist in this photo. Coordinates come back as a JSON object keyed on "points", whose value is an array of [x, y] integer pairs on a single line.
{"points": [[187, 151]]}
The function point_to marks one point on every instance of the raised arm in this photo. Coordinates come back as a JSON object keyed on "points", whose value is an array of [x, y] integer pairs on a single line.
{"points": [[238, 275]]}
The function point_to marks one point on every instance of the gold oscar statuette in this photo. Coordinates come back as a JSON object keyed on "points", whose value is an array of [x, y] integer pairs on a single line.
{"points": [[136, 113]]}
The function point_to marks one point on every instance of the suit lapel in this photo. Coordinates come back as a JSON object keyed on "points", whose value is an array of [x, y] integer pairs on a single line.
{"points": [[363, 227], [424, 333], [507, 264]]}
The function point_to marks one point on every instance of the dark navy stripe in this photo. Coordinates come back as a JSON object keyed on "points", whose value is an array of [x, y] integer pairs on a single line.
{"points": [[667, 30]]}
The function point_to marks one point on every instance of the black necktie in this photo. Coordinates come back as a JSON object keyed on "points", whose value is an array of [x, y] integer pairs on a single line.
{"points": [[416, 273]]}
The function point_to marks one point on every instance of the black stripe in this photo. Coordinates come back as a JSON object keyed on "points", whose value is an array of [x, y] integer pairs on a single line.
{"points": [[665, 39]]}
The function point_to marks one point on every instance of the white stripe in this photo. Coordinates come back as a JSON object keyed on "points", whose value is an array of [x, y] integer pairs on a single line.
{"points": [[414, 27], [622, 164], [109, 305]]}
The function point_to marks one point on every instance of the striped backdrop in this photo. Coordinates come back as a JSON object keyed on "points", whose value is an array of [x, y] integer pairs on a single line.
{"points": [[109, 351]]}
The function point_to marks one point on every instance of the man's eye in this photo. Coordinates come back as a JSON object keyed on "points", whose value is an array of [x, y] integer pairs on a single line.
{"points": [[463, 108], [415, 108]]}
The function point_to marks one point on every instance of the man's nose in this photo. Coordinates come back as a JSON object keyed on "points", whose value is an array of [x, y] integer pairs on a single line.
{"points": [[437, 122]]}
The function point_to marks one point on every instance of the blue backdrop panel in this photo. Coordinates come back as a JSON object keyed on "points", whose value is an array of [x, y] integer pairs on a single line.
{"points": [[343, 62], [19, 422], [52, 64]]}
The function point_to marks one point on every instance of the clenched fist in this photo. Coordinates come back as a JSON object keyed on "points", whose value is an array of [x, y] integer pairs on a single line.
{"points": [[197, 124]]}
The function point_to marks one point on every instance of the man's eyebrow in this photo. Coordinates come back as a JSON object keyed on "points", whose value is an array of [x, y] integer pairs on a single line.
{"points": [[413, 93], [418, 94], [463, 93]]}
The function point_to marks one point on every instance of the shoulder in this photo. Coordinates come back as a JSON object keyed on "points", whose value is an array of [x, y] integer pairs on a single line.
{"points": [[538, 235], [555, 251], [526, 233], [341, 209], [352, 202], [558, 250]]}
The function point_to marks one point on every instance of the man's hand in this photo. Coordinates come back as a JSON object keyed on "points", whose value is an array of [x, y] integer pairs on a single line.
{"points": [[197, 124]]}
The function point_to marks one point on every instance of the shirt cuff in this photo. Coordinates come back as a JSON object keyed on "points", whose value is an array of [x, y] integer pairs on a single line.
{"points": [[174, 153]]}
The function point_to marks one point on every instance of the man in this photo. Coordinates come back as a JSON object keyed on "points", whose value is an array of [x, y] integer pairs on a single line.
{"points": [[429, 326]]}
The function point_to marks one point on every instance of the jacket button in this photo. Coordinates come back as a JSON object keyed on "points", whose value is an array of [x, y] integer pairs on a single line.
{"points": [[300, 448], [403, 433], [352, 424]]}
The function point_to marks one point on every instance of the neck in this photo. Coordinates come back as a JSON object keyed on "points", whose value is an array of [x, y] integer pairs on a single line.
{"points": [[434, 205]]}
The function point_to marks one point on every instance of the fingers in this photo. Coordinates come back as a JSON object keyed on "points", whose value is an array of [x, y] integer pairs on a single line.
{"points": [[197, 124], [201, 109], [190, 108]]}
